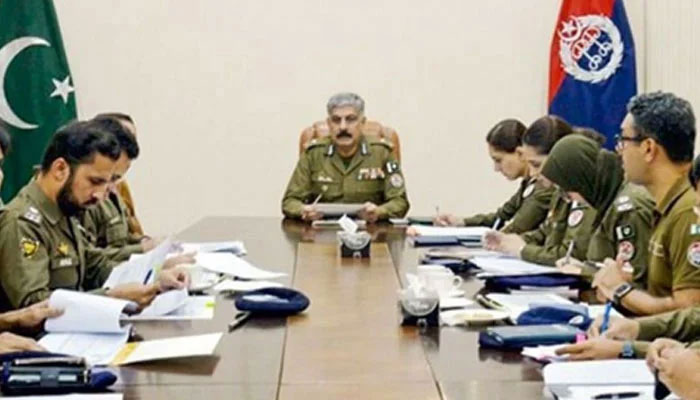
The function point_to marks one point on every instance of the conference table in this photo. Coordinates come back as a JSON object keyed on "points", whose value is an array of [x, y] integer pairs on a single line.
{"points": [[347, 344]]}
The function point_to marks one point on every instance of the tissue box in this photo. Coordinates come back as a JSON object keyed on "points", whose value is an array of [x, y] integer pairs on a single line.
{"points": [[419, 311], [354, 245]]}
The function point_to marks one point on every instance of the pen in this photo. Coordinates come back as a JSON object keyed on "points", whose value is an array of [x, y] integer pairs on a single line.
{"points": [[148, 276], [613, 396], [606, 317], [495, 224], [238, 321], [568, 251], [317, 199]]}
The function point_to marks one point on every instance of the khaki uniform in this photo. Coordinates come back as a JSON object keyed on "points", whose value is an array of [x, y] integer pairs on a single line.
{"points": [[625, 230], [674, 248], [566, 221], [108, 227], [682, 325], [41, 250], [526, 210], [371, 175]]}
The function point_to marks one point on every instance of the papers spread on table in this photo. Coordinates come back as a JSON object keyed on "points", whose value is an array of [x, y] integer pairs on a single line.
{"points": [[84, 312], [96, 348], [545, 353], [165, 303], [338, 209], [229, 264], [497, 266], [230, 285], [139, 269], [185, 346], [193, 307], [607, 372], [235, 247], [473, 232], [516, 304]]}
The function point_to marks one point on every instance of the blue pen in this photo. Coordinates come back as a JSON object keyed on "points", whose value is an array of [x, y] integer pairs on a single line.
{"points": [[606, 317], [148, 276]]}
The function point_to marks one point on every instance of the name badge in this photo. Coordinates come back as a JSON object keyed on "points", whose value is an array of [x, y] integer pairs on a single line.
{"points": [[65, 262]]}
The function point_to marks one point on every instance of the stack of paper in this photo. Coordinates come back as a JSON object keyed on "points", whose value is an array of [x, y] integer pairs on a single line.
{"points": [[229, 264], [193, 307], [139, 269], [89, 326], [509, 266], [475, 233], [516, 304], [235, 247]]}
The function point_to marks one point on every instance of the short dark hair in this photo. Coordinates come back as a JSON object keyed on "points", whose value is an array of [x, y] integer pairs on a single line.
{"points": [[127, 140], [507, 135], [695, 172], [591, 134], [667, 119], [78, 142], [544, 133], [116, 115], [5, 140]]}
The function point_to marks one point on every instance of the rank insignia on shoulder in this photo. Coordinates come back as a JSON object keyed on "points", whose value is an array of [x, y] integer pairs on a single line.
{"points": [[114, 220], [624, 232], [63, 249], [33, 215], [28, 247], [694, 254], [623, 199], [626, 250], [623, 207], [392, 166], [528, 190], [695, 229], [396, 180], [65, 262]]}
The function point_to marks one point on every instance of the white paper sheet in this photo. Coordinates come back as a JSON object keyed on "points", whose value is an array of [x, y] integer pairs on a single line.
{"points": [[229, 264], [236, 247], [137, 269], [185, 346], [96, 348], [230, 285], [607, 372], [509, 266], [338, 209], [474, 231], [455, 302], [165, 303], [84, 312], [77, 396], [544, 353], [194, 307]]}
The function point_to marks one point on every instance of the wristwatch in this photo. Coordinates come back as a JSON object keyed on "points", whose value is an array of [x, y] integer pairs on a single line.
{"points": [[627, 350], [621, 291]]}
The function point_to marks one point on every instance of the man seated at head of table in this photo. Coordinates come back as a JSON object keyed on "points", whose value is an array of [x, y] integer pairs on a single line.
{"points": [[346, 167], [42, 244], [107, 223]]}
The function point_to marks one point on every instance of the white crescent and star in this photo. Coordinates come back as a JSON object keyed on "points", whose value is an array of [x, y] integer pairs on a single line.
{"points": [[7, 54]]}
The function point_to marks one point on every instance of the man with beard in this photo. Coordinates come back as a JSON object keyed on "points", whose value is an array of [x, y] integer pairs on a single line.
{"points": [[42, 245], [347, 167]]}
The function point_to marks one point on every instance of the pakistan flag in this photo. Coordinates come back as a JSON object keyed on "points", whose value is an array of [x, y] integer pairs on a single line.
{"points": [[36, 89]]}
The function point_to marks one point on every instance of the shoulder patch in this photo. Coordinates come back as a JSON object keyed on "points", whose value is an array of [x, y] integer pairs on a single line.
{"points": [[32, 215], [575, 218], [626, 250], [392, 167], [396, 180], [623, 232], [28, 246], [694, 254]]}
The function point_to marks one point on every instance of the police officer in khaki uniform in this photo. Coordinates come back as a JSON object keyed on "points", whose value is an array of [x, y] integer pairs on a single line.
{"points": [[623, 222], [568, 224], [528, 207], [107, 223], [347, 167], [42, 244], [656, 144]]}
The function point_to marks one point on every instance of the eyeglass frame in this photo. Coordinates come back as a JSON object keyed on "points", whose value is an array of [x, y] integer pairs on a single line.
{"points": [[620, 140]]}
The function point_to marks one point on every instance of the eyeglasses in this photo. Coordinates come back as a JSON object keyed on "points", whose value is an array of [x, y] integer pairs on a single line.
{"points": [[620, 140]]}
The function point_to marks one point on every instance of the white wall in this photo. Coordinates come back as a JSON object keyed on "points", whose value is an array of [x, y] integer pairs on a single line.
{"points": [[221, 88]]}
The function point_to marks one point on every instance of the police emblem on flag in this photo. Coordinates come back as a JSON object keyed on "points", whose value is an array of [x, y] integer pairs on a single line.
{"points": [[590, 47]]}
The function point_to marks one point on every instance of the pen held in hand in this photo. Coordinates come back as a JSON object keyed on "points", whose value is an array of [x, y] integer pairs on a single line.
{"points": [[568, 252], [496, 224], [317, 199]]}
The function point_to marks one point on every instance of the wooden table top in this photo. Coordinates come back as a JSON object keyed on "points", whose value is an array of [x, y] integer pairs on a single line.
{"points": [[348, 344]]}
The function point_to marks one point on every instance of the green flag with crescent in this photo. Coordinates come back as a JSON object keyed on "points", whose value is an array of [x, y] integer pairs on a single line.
{"points": [[36, 88]]}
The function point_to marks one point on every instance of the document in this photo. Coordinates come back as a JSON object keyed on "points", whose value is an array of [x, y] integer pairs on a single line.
{"points": [[165, 303], [517, 304], [509, 266], [338, 209], [236, 247], [193, 307], [96, 348], [475, 231], [84, 312], [139, 269], [607, 372], [77, 396], [229, 264], [150, 350], [230, 285], [545, 353]]}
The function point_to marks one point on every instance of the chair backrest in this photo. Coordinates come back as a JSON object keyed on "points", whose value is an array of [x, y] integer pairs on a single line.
{"points": [[371, 129]]}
